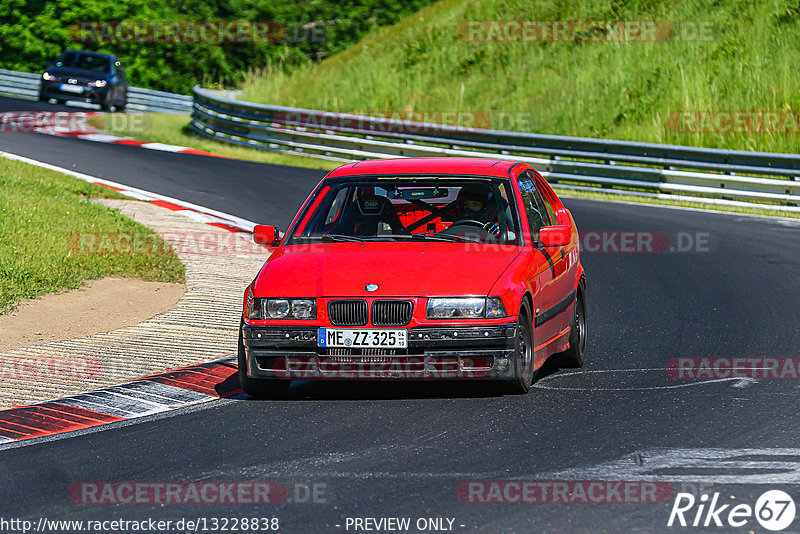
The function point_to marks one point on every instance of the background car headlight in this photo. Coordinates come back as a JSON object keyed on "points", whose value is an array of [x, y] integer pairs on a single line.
{"points": [[261, 308], [465, 308], [49, 77], [98, 83]]}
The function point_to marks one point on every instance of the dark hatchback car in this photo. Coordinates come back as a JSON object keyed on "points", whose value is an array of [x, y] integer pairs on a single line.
{"points": [[87, 77]]}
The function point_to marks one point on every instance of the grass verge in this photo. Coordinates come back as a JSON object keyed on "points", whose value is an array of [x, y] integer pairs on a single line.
{"points": [[39, 211], [708, 58]]}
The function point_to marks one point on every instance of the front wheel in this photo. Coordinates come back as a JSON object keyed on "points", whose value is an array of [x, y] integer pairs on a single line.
{"points": [[575, 355], [523, 352], [260, 388]]}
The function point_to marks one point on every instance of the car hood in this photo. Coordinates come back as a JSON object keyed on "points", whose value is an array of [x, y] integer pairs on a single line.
{"points": [[399, 269]]}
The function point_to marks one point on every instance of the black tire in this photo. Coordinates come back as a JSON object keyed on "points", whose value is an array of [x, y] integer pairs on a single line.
{"points": [[575, 355], [523, 352], [259, 388]]}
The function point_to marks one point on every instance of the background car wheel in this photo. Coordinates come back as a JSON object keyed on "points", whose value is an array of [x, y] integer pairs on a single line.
{"points": [[576, 354], [523, 352], [259, 388]]}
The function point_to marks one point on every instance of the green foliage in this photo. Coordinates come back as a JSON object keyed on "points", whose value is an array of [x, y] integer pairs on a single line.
{"points": [[746, 62], [33, 32]]}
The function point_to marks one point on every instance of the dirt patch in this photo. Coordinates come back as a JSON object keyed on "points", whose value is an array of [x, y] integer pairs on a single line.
{"points": [[104, 305]]}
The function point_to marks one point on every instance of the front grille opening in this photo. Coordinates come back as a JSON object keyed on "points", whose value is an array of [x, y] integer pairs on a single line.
{"points": [[348, 312], [391, 312], [361, 352]]}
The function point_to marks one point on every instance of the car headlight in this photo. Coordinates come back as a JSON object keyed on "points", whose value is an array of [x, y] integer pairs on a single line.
{"points": [[48, 77], [465, 308], [98, 83], [262, 308]]}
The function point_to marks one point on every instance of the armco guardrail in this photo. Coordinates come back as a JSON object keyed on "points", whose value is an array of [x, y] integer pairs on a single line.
{"points": [[26, 85], [158, 101], [694, 174]]}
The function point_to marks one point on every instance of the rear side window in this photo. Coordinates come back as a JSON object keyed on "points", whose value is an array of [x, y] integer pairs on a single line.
{"points": [[535, 207]]}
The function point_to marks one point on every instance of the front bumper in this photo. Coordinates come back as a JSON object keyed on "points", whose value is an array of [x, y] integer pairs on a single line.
{"points": [[92, 95], [433, 353]]}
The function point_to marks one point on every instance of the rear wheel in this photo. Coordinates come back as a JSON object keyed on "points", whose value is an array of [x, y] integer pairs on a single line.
{"points": [[523, 352], [260, 388], [576, 354]]}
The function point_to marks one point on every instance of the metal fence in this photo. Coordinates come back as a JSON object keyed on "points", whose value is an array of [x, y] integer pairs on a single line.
{"points": [[730, 177], [26, 85]]}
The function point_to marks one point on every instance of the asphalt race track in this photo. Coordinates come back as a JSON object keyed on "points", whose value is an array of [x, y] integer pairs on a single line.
{"points": [[402, 449]]}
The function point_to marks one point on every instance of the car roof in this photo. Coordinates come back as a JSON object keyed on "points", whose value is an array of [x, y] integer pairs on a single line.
{"points": [[87, 53], [440, 166]]}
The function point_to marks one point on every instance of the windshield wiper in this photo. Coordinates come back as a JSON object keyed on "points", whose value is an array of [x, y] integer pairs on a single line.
{"points": [[332, 237], [441, 237]]}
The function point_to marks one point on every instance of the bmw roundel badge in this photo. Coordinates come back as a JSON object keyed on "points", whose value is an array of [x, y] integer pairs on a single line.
{"points": [[371, 287]]}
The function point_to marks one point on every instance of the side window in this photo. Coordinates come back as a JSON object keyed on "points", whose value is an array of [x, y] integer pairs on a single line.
{"points": [[550, 211], [534, 206], [336, 206]]}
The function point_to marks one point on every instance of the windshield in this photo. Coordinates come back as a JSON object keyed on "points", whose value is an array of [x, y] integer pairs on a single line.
{"points": [[78, 60], [410, 208]]}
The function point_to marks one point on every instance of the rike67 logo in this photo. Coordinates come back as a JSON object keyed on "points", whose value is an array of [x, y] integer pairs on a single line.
{"points": [[774, 510]]}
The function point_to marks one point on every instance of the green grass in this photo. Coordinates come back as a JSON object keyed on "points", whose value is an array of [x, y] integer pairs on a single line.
{"points": [[174, 129], [620, 90], [40, 211]]}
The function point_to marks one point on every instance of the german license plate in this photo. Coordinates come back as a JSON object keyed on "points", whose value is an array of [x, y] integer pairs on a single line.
{"points": [[349, 338], [67, 88]]}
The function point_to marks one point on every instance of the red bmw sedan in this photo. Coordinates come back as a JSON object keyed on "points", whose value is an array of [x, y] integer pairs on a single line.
{"points": [[421, 269]]}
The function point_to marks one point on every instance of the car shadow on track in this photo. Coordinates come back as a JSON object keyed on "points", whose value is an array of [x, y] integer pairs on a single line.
{"points": [[402, 390]]}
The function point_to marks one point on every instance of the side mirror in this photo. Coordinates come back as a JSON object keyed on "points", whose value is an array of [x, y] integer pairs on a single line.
{"points": [[555, 236], [264, 234]]}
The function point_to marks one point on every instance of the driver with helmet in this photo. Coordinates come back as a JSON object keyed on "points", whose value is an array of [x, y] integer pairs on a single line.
{"points": [[476, 202]]}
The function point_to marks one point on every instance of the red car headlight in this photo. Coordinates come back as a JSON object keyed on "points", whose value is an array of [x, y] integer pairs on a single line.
{"points": [[268, 308]]}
